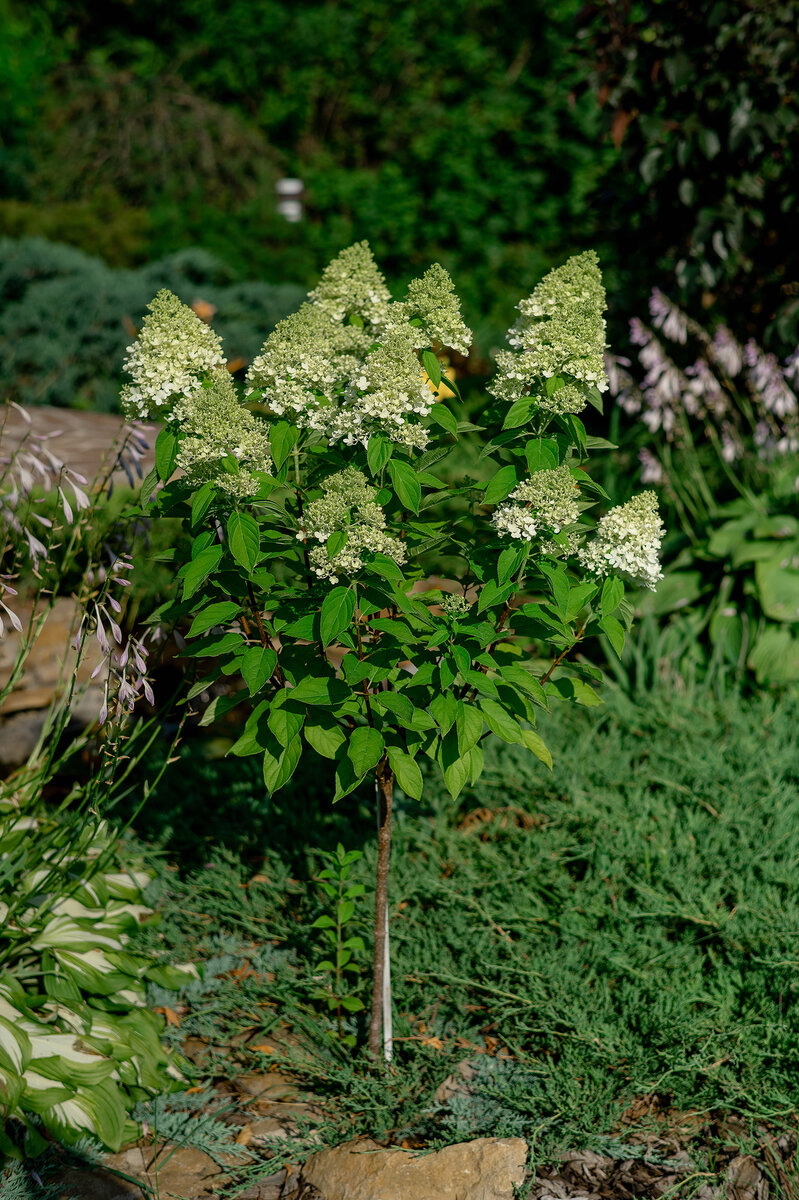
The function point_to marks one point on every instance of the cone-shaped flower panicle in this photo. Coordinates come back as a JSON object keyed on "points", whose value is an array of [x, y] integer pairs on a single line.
{"points": [[304, 363], [353, 286], [433, 301], [174, 352], [560, 334]]}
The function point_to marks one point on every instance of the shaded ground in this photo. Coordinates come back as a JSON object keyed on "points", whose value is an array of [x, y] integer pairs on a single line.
{"points": [[600, 961]]}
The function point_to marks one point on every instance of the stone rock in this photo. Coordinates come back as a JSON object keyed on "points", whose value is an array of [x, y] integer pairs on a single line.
{"points": [[267, 1129], [47, 671], [484, 1169], [187, 1172], [745, 1181], [270, 1187], [96, 1184], [181, 1173], [18, 737], [267, 1085]]}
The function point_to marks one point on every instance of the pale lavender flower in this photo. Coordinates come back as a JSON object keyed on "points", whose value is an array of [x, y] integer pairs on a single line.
{"points": [[651, 469], [99, 632], [68, 513], [639, 334], [731, 446], [619, 378], [26, 417], [762, 434], [667, 317], [768, 381], [621, 384], [14, 620], [791, 368], [726, 352], [703, 390], [36, 549]]}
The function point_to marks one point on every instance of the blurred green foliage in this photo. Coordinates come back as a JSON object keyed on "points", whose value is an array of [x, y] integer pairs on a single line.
{"points": [[458, 139], [66, 317], [493, 141]]}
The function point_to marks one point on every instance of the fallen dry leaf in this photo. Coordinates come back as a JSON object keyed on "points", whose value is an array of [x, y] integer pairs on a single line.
{"points": [[172, 1017]]}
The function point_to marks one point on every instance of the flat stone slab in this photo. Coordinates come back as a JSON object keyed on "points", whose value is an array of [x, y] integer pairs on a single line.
{"points": [[484, 1169]]}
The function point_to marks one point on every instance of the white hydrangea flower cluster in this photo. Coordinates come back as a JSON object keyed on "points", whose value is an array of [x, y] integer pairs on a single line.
{"points": [[628, 540], [217, 425], [346, 364], [387, 389], [352, 285], [566, 399], [174, 352], [432, 300], [548, 499], [455, 605], [347, 504], [303, 364], [560, 332]]}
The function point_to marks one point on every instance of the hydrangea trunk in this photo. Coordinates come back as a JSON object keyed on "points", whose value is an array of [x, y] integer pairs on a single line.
{"points": [[385, 796]]}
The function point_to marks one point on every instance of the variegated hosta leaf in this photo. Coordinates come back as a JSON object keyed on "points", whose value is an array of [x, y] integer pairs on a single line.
{"points": [[69, 1062]]}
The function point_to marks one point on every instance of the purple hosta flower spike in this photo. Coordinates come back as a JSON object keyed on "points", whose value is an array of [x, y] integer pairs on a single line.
{"points": [[726, 352], [132, 451], [768, 381], [667, 317], [128, 677]]}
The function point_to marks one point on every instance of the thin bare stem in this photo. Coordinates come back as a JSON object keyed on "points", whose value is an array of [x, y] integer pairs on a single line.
{"points": [[380, 1021]]}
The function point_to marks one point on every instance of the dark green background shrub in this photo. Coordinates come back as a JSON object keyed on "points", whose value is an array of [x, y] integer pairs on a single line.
{"points": [[66, 317], [495, 140]]}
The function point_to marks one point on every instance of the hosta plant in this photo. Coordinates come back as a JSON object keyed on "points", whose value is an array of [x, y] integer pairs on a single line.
{"points": [[322, 499], [720, 427], [78, 1047]]}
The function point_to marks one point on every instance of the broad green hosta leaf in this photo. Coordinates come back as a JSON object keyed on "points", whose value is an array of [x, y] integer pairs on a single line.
{"points": [[777, 581], [775, 656]]}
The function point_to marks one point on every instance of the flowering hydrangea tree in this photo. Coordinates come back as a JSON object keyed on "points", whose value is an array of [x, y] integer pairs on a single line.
{"points": [[321, 501]]}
